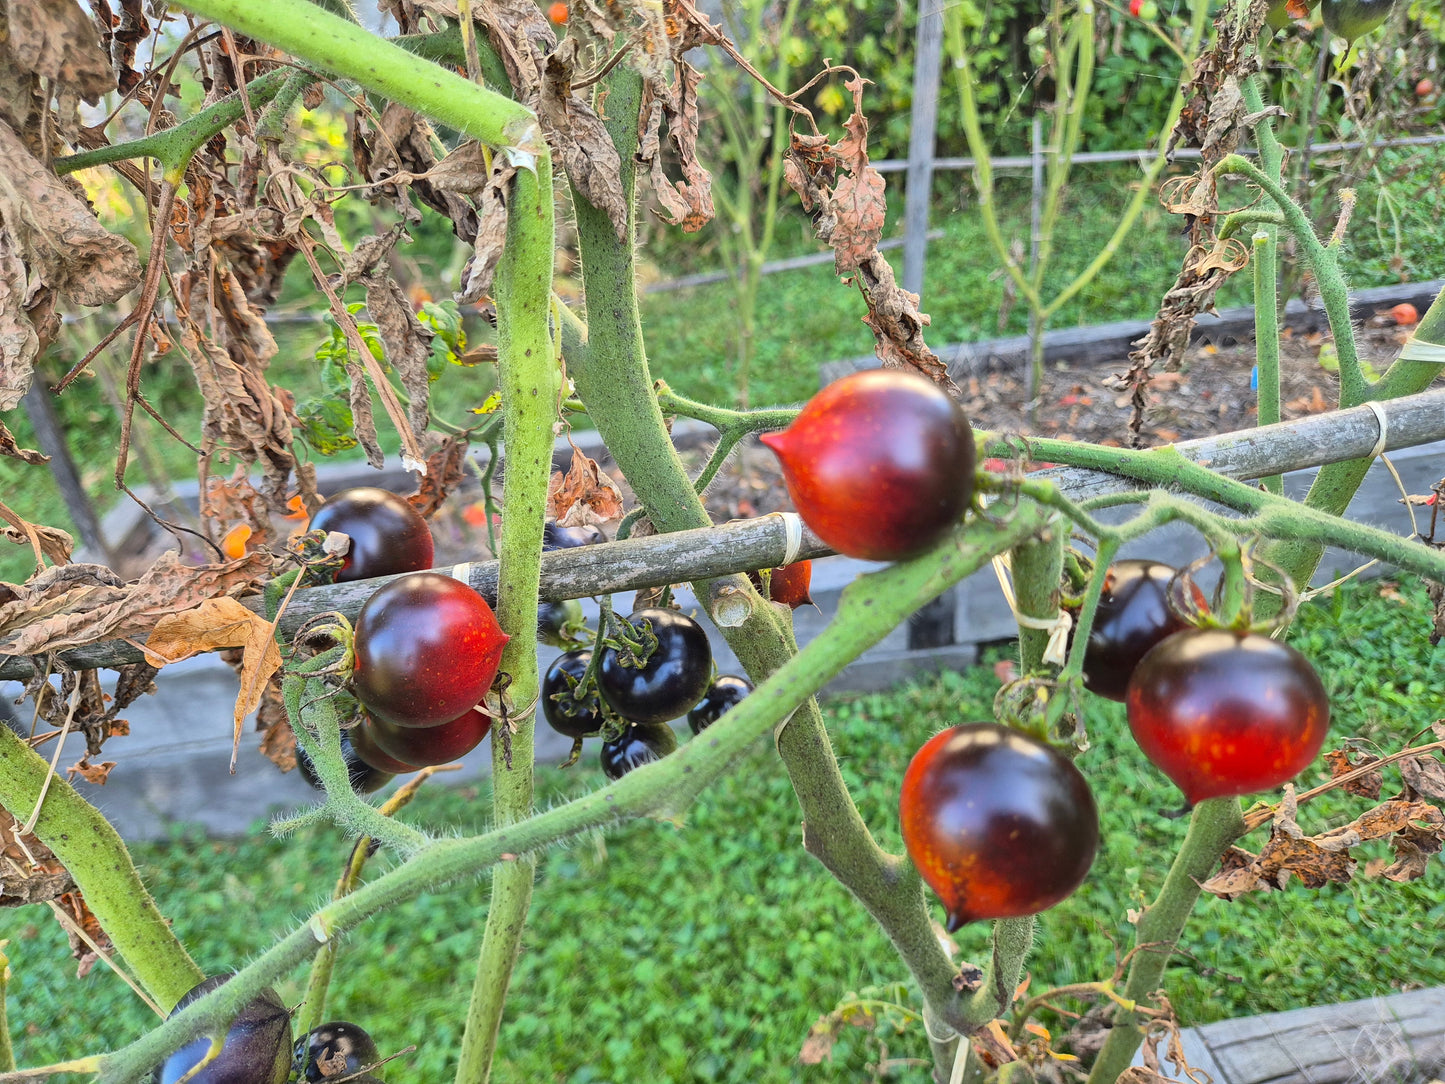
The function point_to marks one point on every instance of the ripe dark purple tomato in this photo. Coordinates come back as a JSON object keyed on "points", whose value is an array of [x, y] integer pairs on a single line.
{"points": [[363, 740], [879, 464], [256, 1050], [788, 584], [560, 624], [639, 744], [673, 679], [998, 823], [326, 1043], [427, 745], [566, 538], [1133, 615], [1224, 713], [388, 535], [427, 649], [724, 694], [562, 712], [365, 779]]}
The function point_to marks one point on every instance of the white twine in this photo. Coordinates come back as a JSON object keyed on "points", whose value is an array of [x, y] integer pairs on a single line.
{"points": [[1419, 350], [1384, 427], [793, 532], [1056, 652]]}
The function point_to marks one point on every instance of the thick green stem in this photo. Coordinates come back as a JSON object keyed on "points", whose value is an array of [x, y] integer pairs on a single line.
{"points": [[96, 857], [1266, 339], [530, 384], [1216, 824]]}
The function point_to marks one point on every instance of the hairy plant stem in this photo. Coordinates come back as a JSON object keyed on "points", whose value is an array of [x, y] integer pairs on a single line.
{"points": [[610, 369], [868, 610], [96, 857], [530, 385], [1266, 276]]}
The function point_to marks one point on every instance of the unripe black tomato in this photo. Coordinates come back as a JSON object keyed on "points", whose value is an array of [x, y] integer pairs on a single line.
{"points": [[428, 745], [639, 744], [673, 679], [559, 624], [1224, 713], [327, 1042], [879, 464], [724, 694], [1133, 615], [575, 720], [365, 779], [388, 535], [256, 1050], [427, 649], [998, 823]]}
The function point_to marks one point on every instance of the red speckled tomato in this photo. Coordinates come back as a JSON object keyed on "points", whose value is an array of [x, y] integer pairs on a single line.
{"points": [[387, 534], [363, 740], [788, 584], [1133, 615], [1225, 713], [427, 649], [425, 745], [999, 824], [879, 464]]}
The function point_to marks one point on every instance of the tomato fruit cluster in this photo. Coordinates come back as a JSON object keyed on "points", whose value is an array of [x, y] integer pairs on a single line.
{"points": [[1134, 614], [256, 1049], [1225, 713], [426, 650], [388, 536], [879, 464], [998, 823], [566, 712]]}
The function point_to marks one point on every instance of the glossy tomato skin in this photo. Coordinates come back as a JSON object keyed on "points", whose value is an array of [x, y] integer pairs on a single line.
{"points": [[388, 536], [586, 718], [256, 1050], [427, 649], [639, 744], [428, 745], [676, 674], [365, 779], [363, 740], [326, 1042], [999, 824], [788, 584], [879, 464], [1223, 713], [725, 693], [1133, 615]]}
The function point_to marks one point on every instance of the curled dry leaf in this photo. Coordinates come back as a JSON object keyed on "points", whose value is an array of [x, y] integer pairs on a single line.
{"points": [[406, 339], [29, 870], [56, 40], [1425, 775], [686, 202], [1364, 786], [444, 472], [91, 773], [80, 916], [584, 495], [19, 341], [9, 448]]}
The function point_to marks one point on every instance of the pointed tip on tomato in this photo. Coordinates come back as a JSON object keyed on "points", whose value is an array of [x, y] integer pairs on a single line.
{"points": [[955, 922], [775, 440]]}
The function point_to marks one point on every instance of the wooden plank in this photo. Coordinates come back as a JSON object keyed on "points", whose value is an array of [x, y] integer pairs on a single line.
{"points": [[927, 54]]}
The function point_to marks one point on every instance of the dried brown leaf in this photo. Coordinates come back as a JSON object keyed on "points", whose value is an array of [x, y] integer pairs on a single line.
{"points": [[579, 139], [1425, 775], [445, 468], [584, 495], [818, 1046], [91, 773], [278, 743], [56, 40], [21, 880], [1413, 847], [9, 448], [1364, 786], [491, 233], [19, 341], [686, 202], [406, 339], [79, 912]]}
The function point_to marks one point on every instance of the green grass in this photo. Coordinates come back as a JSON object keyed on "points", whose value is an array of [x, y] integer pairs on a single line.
{"points": [[704, 953]]}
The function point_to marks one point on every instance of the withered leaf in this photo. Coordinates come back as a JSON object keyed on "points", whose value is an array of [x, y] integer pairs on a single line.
{"points": [[91, 773], [1413, 847], [19, 341], [1366, 785], [56, 233], [1137, 1074], [579, 138], [22, 882], [818, 1046], [406, 339], [444, 470], [278, 743], [584, 495], [9, 447], [491, 233], [79, 913], [1425, 775], [56, 40], [686, 202]]}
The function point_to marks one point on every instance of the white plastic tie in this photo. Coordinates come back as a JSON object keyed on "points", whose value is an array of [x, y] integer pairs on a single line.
{"points": [[463, 572], [1056, 652], [1419, 350], [1384, 427], [793, 529]]}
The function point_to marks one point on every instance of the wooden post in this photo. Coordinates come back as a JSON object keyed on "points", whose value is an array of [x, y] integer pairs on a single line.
{"points": [[50, 435], [927, 53]]}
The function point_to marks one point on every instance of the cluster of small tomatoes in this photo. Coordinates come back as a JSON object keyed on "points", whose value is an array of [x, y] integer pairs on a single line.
{"points": [[999, 823], [257, 1048]]}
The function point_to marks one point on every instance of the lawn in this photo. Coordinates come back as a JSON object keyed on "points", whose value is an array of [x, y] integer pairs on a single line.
{"points": [[704, 953]]}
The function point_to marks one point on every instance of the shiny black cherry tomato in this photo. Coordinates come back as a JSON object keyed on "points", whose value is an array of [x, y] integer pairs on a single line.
{"points": [[428, 745], [725, 693], [388, 535], [673, 679], [1133, 615], [365, 779], [427, 649], [879, 464], [998, 823], [1224, 713], [639, 744], [327, 1042], [256, 1050], [560, 624], [559, 707]]}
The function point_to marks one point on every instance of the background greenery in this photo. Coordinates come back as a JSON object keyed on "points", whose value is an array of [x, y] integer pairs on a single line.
{"points": [[706, 952]]}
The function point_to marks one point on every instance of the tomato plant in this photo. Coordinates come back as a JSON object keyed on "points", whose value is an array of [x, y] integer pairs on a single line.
{"points": [[671, 680], [1134, 614], [565, 712], [1224, 713], [725, 693], [427, 648], [998, 823], [317, 1052], [421, 746], [639, 744], [256, 1049], [387, 534], [363, 740], [879, 464], [365, 778]]}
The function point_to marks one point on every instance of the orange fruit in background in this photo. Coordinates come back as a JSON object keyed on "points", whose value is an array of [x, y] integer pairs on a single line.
{"points": [[557, 13], [1405, 315]]}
